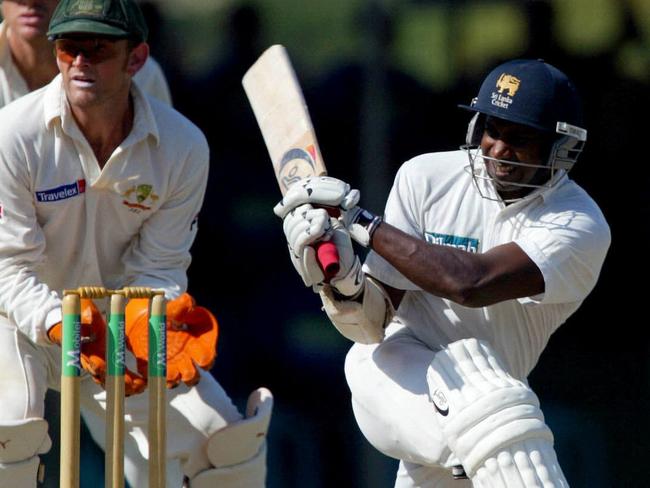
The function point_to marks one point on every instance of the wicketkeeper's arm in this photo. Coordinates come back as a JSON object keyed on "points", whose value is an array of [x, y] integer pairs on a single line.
{"points": [[159, 255], [24, 298]]}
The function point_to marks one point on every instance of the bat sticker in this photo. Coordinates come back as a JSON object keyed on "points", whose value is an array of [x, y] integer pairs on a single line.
{"points": [[295, 165]]}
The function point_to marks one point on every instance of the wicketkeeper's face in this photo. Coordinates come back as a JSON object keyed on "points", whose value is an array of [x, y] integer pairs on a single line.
{"points": [[93, 69], [97, 70]]}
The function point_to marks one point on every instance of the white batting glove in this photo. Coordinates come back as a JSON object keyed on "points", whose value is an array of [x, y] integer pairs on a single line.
{"points": [[348, 282], [302, 227], [360, 223], [317, 191], [306, 226]]}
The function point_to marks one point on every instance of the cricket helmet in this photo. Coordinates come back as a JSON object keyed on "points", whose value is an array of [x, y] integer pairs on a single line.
{"points": [[535, 94]]}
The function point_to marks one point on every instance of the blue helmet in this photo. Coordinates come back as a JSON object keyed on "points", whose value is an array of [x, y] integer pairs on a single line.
{"points": [[529, 92], [535, 94]]}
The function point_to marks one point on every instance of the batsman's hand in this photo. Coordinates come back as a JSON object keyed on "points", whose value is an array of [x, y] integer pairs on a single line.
{"points": [[305, 226], [318, 191], [93, 348], [192, 333], [348, 282], [336, 195]]}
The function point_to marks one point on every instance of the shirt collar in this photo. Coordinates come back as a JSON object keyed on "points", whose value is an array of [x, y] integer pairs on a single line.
{"points": [[57, 110]]}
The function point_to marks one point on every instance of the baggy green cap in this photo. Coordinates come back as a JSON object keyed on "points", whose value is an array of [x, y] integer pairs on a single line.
{"points": [[114, 18]]}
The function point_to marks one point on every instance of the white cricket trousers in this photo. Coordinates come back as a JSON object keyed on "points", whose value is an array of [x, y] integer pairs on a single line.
{"points": [[390, 400], [27, 371]]}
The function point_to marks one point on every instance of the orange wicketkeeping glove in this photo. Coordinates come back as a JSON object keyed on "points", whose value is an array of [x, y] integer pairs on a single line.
{"points": [[93, 348], [192, 333]]}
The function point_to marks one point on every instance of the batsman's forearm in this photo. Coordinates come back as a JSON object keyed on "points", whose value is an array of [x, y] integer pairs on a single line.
{"points": [[442, 271]]}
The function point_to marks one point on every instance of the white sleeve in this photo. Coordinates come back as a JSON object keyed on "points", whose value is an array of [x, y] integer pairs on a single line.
{"points": [[570, 257], [160, 255], [152, 81], [26, 301], [400, 212]]}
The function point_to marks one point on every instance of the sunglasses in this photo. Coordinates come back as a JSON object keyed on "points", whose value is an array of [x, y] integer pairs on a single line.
{"points": [[93, 51]]}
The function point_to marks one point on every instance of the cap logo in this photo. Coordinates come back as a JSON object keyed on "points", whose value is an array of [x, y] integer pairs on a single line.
{"points": [[86, 7], [507, 85]]}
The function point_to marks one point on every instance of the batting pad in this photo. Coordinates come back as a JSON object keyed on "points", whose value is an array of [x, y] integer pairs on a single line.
{"points": [[242, 440], [484, 411], [21, 442], [238, 451], [23, 439]]}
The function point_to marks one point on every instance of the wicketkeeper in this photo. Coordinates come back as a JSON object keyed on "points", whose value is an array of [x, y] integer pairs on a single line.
{"points": [[102, 185]]}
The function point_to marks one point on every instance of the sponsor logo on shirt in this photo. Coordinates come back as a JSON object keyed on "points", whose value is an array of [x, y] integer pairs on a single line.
{"points": [[62, 192], [139, 197], [468, 244]]}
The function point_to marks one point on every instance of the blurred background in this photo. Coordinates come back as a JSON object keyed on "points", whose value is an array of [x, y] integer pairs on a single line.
{"points": [[382, 80]]}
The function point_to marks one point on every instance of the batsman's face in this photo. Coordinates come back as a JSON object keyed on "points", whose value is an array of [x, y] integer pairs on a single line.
{"points": [[28, 19], [513, 154], [96, 70]]}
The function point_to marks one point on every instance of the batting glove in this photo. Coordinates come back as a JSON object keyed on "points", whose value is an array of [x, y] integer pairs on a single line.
{"points": [[348, 282], [361, 224], [318, 191], [303, 227]]}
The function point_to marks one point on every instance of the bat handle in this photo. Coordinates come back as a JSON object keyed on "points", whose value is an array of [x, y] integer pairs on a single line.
{"points": [[328, 259]]}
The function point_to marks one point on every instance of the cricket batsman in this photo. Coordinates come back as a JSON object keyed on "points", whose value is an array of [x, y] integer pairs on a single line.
{"points": [[481, 254]]}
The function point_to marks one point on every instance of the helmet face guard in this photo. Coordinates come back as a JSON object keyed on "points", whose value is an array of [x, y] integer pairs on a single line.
{"points": [[534, 94], [563, 154]]}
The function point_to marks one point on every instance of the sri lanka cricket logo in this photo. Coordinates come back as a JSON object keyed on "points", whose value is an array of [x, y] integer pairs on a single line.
{"points": [[137, 196], [508, 83], [296, 164], [507, 86]]}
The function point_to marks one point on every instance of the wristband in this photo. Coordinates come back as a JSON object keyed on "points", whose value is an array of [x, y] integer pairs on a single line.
{"points": [[364, 226]]}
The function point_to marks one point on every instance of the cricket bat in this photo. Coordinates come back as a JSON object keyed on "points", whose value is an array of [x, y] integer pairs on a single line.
{"points": [[279, 106]]}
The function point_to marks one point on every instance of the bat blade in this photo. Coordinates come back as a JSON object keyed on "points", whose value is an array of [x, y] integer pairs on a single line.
{"points": [[275, 95], [276, 98]]}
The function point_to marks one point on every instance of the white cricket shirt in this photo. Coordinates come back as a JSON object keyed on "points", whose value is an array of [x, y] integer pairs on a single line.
{"points": [[561, 229], [65, 223], [13, 86]]}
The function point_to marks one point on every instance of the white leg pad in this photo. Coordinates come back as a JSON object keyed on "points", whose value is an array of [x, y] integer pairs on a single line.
{"points": [[238, 451], [21, 441], [530, 464], [489, 417], [23, 474], [248, 474]]}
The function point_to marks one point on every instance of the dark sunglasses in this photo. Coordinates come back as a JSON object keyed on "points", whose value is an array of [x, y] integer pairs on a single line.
{"points": [[94, 51]]}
